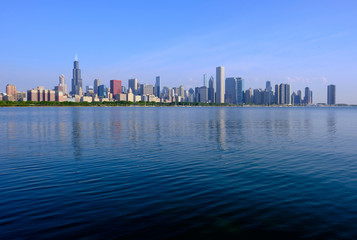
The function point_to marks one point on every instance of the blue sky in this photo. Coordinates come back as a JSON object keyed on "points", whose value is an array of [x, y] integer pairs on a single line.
{"points": [[305, 43]]}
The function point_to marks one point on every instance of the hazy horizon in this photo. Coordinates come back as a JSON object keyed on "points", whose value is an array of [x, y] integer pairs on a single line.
{"points": [[306, 44]]}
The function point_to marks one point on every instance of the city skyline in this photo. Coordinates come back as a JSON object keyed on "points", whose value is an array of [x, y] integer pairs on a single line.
{"points": [[305, 43], [228, 90]]}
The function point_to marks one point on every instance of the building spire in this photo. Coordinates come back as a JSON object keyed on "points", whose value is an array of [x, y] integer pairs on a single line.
{"points": [[75, 57]]}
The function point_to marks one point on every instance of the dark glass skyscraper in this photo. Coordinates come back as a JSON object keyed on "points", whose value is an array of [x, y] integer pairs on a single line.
{"points": [[211, 93], [331, 94], [77, 79], [158, 87]]}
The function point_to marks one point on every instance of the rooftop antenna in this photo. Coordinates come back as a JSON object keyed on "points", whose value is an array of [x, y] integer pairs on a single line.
{"points": [[75, 57]]}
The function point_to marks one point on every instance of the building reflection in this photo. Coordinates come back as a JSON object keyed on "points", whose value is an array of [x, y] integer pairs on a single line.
{"points": [[221, 128], [76, 133], [331, 124]]}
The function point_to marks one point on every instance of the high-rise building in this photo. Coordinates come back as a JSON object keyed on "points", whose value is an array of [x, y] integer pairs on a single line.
{"points": [[331, 94], [211, 94], [308, 95], [203, 94], [133, 85], [96, 85], [268, 94], [295, 99], [102, 91], [220, 85], [284, 94], [205, 80], [181, 91], [115, 87], [240, 89], [77, 79], [231, 90], [248, 96], [158, 87], [287, 94], [258, 96], [11, 90], [276, 94], [268, 86], [62, 86], [299, 95], [147, 89]]}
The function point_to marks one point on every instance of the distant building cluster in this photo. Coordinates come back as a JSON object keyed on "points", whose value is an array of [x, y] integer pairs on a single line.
{"points": [[228, 90]]}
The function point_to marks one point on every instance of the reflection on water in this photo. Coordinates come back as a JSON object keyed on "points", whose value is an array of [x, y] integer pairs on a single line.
{"points": [[193, 173], [77, 133], [331, 123], [221, 128]]}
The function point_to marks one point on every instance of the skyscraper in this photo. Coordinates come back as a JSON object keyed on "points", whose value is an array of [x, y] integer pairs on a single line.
{"points": [[158, 87], [307, 98], [284, 94], [96, 85], [268, 86], [240, 89], [331, 94], [102, 91], [211, 95], [62, 86], [77, 79], [115, 87], [287, 94], [133, 85], [181, 91], [205, 80], [203, 94], [276, 94], [220, 85], [231, 90]]}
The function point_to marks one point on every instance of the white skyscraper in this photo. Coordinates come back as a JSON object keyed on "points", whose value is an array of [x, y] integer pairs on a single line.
{"points": [[205, 80], [220, 85]]}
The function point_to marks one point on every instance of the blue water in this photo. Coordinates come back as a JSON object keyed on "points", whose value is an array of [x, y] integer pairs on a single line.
{"points": [[178, 173]]}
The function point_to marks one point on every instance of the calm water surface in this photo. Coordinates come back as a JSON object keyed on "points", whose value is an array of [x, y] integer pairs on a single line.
{"points": [[185, 173]]}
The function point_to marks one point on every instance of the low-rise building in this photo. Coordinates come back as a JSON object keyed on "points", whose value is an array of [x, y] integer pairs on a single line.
{"points": [[86, 99]]}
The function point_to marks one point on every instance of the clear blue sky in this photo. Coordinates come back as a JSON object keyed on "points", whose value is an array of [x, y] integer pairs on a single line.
{"points": [[305, 43]]}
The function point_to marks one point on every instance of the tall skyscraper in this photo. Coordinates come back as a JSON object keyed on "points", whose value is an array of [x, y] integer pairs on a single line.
{"points": [[331, 94], [205, 80], [231, 90], [284, 94], [240, 89], [181, 91], [287, 94], [77, 79], [158, 87], [96, 85], [133, 85], [276, 94], [211, 94], [115, 87], [307, 98], [268, 86], [220, 85]]}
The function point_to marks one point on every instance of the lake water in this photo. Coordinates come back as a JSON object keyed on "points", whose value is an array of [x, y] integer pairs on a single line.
{"points": [[176, 172]]}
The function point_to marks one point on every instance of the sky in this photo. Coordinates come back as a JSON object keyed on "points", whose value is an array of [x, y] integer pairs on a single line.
{"points": [[304, 43]]}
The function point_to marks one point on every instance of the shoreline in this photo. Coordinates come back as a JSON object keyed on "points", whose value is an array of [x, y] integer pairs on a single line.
{"points": [[115, 104]]}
